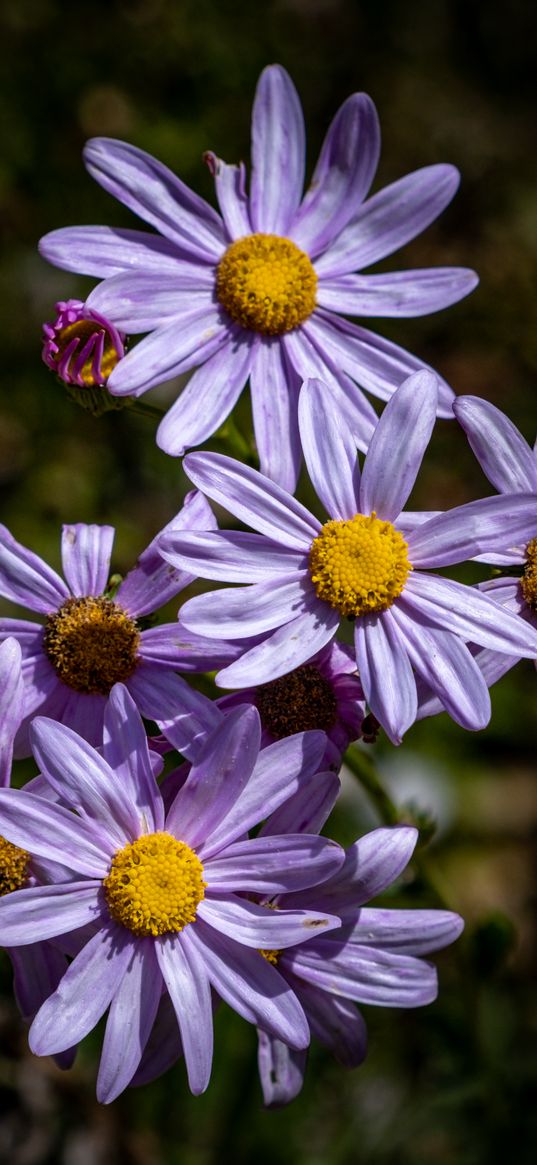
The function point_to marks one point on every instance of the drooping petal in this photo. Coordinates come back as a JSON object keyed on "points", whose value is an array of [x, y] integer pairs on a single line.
{"points": [[230, 187], [334, 1021], [385, 673], [274, 388], [86, 552], [270, 865], [329, 451], [149, 189], [397, 446], [231, 555], [506, 458], [376, 364], [253, 498], [125, 750], [251, 986], [469, 613], [281, 1070], [278, 152], [163, 1047], [236, 613], [490, 524], [170, 350], [342, 177], [42, 912], [130, 1019], [84, 992], [26, 579], [85, 780], [390, 219], [105, 251], [285, 649], [399, 293], [187, 979]]}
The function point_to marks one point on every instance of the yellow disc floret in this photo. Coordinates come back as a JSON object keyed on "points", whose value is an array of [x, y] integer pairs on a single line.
{"points": [[155, 885], [92, 644], [360, 565], [267, 284], [14, 864], [271, 956], [528, 581]]}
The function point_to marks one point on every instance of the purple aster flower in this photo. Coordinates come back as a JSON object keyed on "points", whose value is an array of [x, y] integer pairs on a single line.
{"points": [[257, 292], [305, 576], [92, 636], [511, 466], [323, 693], [81, 346], [163, 891]]}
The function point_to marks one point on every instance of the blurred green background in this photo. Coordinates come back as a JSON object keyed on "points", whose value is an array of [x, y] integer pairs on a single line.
{"points": [[453, 81]]}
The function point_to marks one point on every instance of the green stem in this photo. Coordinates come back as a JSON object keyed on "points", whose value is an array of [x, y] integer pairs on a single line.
{"points": [[231, 437], [144, 410], [364, 769]]}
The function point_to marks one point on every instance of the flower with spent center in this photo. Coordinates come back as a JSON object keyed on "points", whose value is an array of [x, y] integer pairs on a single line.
{"points": [[83, 348], [93, 636], [361, 564], [257, 292], [167, 894]]}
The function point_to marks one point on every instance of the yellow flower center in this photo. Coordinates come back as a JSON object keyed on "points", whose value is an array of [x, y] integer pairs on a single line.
{"points": [[528, 581], [360, 565], [13, 867], [83, 330], [271, 956], [92, 644], [297, 702], [154, 885], [266, 284]]}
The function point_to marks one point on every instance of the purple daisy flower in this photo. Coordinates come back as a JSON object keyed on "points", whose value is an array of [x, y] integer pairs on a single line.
{"points": [[375, 957], [305, 576], [163, 891], [81, 346], [323, 693], [511, 466], [92, 637], [257, 292]]}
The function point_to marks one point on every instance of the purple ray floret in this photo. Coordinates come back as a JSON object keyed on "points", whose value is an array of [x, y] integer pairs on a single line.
{"points": [[189, 923], [418, 627], [185, 286]]}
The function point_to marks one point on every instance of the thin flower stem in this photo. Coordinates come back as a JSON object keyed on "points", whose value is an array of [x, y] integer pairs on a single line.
{"points": [[364, 769], [235, 443], [143, 409]]}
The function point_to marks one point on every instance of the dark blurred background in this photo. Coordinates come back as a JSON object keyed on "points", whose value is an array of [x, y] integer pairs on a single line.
{"points": [[453, 81]]}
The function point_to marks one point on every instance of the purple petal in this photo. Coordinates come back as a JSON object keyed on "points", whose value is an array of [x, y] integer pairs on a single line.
{"points": [[105, 251], [170, 645], [84, 992], [29, 636], [11, 704], [281, 1070], [251, 986], [194, 718], [469, 613], [86, 552], [163, 1047], [386, 674], [399, 293], [375, 363], [236, 613], [274, 390], [286, 649], [170, 350], [125, 750], [43, 912], [130, 1019], [342, 177], [187, 979], [329, 451], [140, 301], [209, 396], [307, 810], [217, 779], [334, 1021], [397, 446], [505, 457], [231, 556], [49, 831], [312, 363], [368, 976], [371, 865], [260, 927], [253, 498], [271, 865], [26, 579], [448, 668], [81, 777], [37, 969], [409, 932], [280, 771], [390, 219], [149, 189], [491, 524], [278, 152], [230, 187]]}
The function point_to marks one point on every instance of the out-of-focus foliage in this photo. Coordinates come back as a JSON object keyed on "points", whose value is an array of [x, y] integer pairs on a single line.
{"points": [[453, 81]]}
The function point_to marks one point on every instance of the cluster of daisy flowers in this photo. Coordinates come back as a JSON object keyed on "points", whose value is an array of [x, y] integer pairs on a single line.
{"points": [[167, 857]]}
